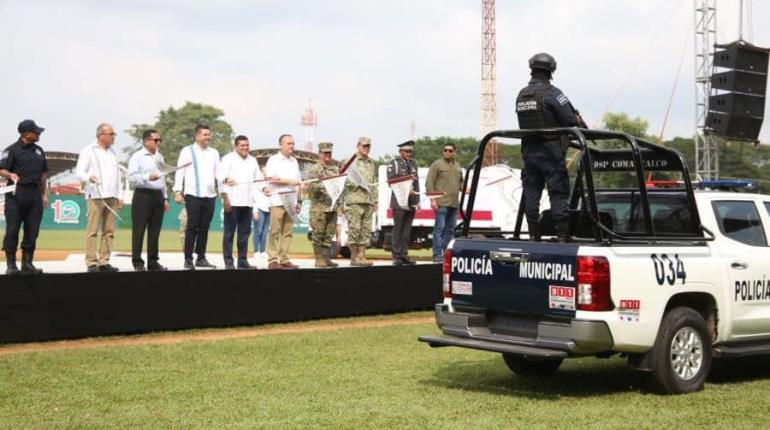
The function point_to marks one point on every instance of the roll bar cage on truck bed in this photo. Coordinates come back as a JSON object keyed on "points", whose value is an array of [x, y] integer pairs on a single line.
{"points": [[639, 157]]}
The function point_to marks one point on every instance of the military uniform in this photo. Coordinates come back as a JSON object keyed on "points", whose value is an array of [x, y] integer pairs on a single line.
{"points": [[359, 205], [25, 205], [403, 218], [323, 217], [542, 105]]}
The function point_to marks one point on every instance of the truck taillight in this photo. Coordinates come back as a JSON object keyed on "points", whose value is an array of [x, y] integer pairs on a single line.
{"points": [[593, 284], [447, 272]]}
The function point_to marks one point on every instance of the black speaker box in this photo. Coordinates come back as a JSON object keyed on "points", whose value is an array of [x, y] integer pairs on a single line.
{"points": [[739, 81], [738, 104], [742, 57], [734, 127]]}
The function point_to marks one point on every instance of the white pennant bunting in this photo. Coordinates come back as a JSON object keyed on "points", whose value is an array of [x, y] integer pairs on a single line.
{"points": [[289, 200], [334, 185], [402, 188]]}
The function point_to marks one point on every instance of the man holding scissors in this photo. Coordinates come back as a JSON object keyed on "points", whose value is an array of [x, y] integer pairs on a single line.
{"points": [[97, 167]]}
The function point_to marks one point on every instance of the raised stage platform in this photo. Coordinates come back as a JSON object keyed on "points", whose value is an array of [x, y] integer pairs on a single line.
{"points": [[73, 305]]}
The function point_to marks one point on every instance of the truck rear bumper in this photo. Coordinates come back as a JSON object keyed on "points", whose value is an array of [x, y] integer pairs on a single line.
{"points": [[552, 339]]}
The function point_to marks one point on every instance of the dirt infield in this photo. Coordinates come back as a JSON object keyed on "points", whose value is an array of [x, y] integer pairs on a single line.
{"points": [[210, 335], [48, 255]]}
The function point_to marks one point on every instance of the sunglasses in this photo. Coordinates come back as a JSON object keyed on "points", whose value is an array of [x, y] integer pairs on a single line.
{"points": [[449, 150], [367, 145]]}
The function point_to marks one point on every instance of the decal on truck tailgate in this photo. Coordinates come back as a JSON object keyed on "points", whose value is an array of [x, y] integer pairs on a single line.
{"points": [[560, 297]]}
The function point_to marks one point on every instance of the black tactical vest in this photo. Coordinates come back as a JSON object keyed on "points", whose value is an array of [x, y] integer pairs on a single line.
{"points": [[530, 108]]}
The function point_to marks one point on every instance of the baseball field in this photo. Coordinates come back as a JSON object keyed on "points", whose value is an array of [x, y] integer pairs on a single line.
{"points": [[361, 373]]}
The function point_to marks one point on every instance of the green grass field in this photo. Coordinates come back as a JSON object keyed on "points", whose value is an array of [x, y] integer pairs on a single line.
{"points": [[74, 240], [351, 378]]}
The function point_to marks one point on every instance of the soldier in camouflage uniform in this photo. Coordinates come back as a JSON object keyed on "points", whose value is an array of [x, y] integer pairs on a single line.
{"points": [[360, 203], [323, 217]]}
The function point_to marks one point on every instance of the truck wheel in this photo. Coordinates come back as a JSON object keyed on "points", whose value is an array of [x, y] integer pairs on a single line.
{"points": [[523, 366], [682, 354]]}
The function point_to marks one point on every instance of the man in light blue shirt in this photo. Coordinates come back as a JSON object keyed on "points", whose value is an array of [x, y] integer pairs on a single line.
{"points": [[150, 200]]}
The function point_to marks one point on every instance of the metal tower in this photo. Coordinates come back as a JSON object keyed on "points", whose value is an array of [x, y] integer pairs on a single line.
{"points": [[488, 79], [706, 144], [309, 120]]}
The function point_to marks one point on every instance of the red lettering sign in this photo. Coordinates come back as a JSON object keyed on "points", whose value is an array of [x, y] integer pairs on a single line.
{"points": [[630, 304]]}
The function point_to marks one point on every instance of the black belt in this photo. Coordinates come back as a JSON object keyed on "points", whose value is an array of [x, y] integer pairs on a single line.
{"points": [[148, 191]]}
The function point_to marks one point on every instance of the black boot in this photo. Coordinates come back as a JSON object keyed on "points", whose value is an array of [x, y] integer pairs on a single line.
{"points": [[534, 232], [26, 264], [10, 267], [562, 232]]}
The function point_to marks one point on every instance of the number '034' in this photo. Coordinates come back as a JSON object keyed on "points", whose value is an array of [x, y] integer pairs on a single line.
{"points": [[668, 269]]}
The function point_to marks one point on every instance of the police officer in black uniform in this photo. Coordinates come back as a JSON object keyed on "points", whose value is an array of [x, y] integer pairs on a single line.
{"points": [[542, 105], [24, 165], [403, 165]]}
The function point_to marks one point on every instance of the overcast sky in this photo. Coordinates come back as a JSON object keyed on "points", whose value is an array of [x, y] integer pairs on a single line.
{"points": [[371, 66]]}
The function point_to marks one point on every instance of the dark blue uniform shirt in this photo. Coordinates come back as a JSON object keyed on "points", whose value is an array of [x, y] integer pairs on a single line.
{"points": [[26, 160]]}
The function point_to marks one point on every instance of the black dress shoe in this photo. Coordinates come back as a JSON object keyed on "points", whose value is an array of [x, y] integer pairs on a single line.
{"points": [[156, 267], [229, 266], [202, 262], [108, 269], [188, 265], [398, 262], [92, 269], [246, 267], [139, 268], [408, 261]]}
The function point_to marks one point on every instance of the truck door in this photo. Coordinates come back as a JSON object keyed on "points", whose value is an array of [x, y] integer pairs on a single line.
{"points": [[746, 254]]}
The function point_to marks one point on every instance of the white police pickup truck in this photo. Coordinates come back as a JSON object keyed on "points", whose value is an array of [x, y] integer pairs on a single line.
{"points": [[668, 277]]}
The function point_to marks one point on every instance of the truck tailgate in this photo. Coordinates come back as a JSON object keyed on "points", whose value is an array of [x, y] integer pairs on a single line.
{"points": [[535, 278]]}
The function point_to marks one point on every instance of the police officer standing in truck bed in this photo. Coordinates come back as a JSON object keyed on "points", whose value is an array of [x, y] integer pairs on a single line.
{"points": [[542, 105]]}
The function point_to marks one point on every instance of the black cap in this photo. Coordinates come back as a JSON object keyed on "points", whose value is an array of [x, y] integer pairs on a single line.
{"points": [[409, 144], [28, 126]]}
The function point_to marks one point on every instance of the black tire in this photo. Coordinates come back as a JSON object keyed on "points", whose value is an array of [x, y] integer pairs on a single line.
{"points": [[693, 353], [524, 367]]}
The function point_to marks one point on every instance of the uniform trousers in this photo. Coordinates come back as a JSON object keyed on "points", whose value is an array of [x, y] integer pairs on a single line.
{"points": [[543, 170], [25, 207], [402, 233]]}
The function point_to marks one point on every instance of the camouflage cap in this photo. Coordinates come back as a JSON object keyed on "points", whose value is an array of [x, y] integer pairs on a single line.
{"points": [[325, 147], [364, 140]]}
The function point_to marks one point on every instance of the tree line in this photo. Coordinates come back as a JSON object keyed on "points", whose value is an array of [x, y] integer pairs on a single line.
{"points": [[176, 126]]}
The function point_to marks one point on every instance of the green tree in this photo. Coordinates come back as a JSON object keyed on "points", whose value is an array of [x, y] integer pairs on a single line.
{"points": [[177, 129], [429, 149], [622, 122]]}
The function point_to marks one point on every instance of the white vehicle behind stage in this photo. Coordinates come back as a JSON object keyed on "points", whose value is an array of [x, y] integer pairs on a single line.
{"points": [[497, 203]]}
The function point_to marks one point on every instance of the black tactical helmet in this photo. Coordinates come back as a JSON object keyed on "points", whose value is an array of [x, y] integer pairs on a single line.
{"points": [[543, 61]]}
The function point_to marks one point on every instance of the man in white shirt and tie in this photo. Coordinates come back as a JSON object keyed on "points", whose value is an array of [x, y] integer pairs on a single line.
{"points": [[237, 174], [97, 167], [196, 187], [283, 171], [150, 200]]}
